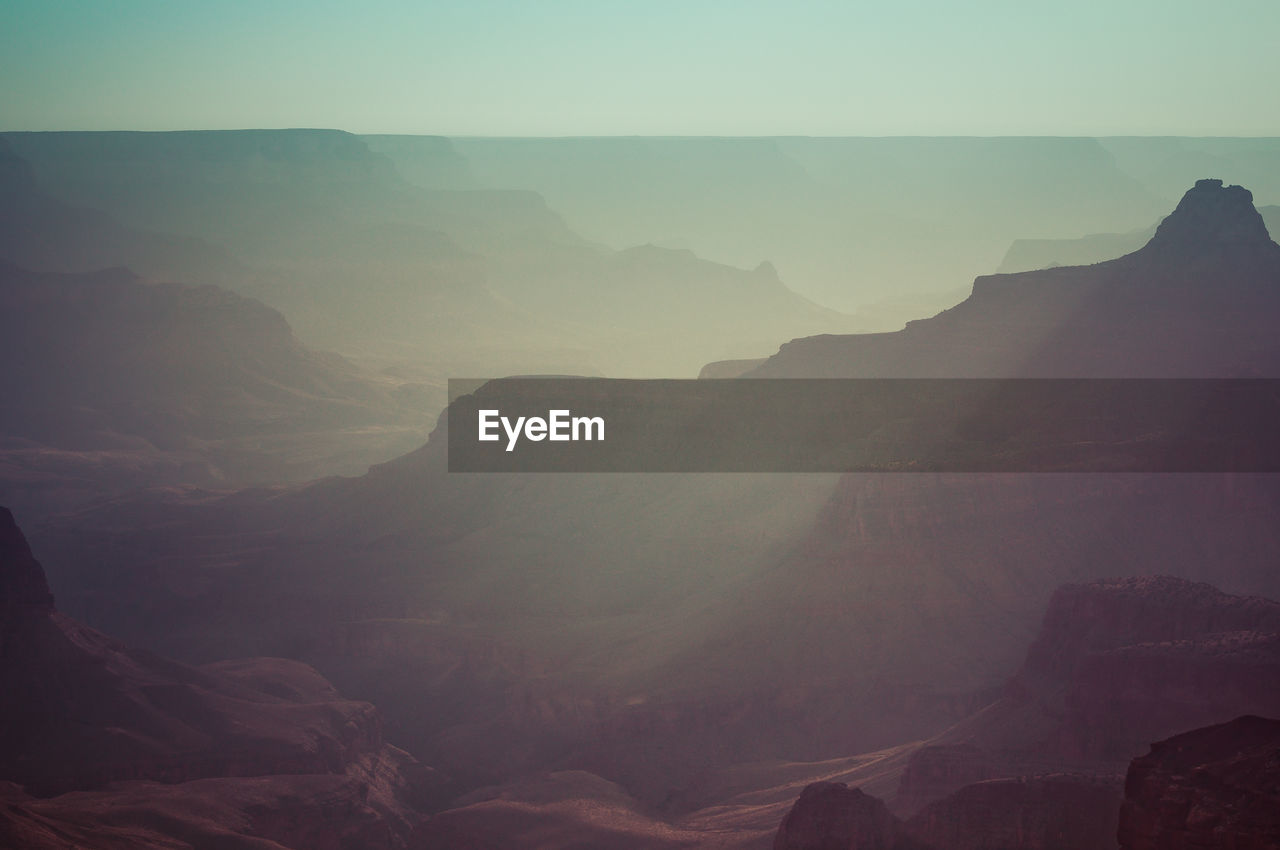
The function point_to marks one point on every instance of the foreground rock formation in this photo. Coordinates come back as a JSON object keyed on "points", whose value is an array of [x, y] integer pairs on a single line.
{"points": [[1213, 787], [1116, 663], [832, 816], [109, 747]]}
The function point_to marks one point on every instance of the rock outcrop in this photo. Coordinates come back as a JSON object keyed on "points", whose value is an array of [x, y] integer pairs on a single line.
{"points": [[1029, 254], [1120, 662], [1210, 214], [832, 816], [80, 710], [123, 740], [1213, 787], [1116, 663]]}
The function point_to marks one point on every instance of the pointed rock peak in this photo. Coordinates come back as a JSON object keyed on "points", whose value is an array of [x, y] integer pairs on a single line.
{"points": [[1212, 215], [22, 581], [766, 270]]}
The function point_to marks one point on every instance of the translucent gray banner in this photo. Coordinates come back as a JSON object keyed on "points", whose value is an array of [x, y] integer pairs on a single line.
{"points": [[887, 425]]}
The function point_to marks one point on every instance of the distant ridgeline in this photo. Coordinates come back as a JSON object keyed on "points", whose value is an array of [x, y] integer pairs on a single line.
{"points": [[1118, 366]]}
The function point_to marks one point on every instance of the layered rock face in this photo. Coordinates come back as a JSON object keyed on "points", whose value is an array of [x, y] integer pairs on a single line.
{"points": [[1212, 787], [1120, 662], [1116, 663], [914, 598], [261, 747]]}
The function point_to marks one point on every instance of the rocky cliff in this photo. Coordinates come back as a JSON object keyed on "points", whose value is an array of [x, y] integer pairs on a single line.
{"points": [[1119, 662], [1116, 662], [1213, 787]]}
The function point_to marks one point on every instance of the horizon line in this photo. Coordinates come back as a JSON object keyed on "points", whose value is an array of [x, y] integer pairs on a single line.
{"points": [[600, 136]]}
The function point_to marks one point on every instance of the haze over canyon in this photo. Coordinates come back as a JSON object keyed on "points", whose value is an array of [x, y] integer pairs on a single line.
{"points": [[247, 605]]}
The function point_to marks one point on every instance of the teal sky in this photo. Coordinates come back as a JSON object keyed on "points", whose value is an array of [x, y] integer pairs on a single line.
{"points": [[694, 67]]}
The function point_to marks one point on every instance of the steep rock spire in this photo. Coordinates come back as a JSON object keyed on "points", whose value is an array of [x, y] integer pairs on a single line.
{"points": [[1211, 215]]}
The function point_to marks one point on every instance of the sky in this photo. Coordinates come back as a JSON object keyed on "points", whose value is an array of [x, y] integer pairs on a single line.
{"points": [[599, 67]]}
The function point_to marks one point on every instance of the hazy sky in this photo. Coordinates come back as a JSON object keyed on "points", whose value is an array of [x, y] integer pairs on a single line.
{"points": [[597, 67]]}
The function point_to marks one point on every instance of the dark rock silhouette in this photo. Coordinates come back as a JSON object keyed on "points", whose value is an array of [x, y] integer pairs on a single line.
{"points": [[1213, 787], [24, 592], [1196, 301], [832, 816], [1029, 254], [79, 712], [1211, 215]]}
